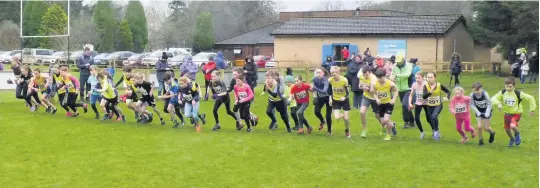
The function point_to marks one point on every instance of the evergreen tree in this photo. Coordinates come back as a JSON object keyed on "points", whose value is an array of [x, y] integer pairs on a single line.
{"points": [[204, 32], [126, 37], [137, 22], [103, 17], [33, 12], [53, 22]]}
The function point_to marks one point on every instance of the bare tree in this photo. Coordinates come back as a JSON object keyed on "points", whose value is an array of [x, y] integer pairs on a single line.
{"points": [[364, 5], [9, 35], [331, 5], [82, 32]]}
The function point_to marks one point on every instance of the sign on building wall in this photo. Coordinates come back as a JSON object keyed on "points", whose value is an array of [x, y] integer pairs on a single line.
{"points": [[387, 48]]}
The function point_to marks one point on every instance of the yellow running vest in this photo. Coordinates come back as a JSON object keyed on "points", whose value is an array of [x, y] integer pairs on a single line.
{"points": [[435, 98]]}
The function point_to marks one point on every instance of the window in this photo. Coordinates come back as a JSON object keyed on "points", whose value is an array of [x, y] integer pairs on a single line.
{"points": [[43, 52]]}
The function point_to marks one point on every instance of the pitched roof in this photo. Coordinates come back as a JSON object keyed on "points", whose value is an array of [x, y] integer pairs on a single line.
{"points": [[373, 25], [257, 36]]}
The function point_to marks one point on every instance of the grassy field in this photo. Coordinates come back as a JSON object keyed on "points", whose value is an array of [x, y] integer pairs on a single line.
{"points": [[43, 150]]}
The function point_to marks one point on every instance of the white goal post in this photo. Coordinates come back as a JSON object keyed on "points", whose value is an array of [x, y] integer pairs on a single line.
{"points": [[44, 36]]}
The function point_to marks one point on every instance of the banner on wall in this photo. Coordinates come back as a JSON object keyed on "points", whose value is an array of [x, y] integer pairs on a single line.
{"points": [[387, 48]]}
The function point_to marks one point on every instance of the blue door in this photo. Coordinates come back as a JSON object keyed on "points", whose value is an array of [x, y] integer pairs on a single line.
{"points": [[326, 51], [353, 49]]}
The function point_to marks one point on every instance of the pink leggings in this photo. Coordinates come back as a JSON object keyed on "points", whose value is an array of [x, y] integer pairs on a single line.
{"points": [[459, 123]]}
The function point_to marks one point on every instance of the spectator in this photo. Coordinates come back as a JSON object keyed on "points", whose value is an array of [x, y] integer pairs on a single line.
{"points": [[401, 72], [328, 63], [393, 59], [250, 70], [455, 67], [207, 70], [524, 68], [533, 68], [368, 58], [352, 72], [415, 69], [189, 68], [161, 67], [221, 65], [289, 71], [83, 63], [380, 64], [345, 53]]}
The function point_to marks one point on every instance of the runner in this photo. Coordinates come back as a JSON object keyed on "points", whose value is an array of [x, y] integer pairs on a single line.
{"points": [[433, 93], [322, 90], [220, 96], [417, 90], [482, 108], [339, 99], [275, 100], [366, 80], [385, 93]]}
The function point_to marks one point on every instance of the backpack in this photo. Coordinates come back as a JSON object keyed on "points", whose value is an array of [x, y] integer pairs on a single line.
{"points": [[517, 92]]}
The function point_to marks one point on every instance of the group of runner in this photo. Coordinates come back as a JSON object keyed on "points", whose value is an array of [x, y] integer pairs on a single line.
{"points": [[330, 90]]}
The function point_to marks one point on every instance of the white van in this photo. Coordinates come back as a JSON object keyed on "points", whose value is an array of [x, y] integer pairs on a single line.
{"points": [[35, 55]]}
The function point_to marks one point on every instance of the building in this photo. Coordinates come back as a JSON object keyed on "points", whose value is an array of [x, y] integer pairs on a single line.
{"points": [[429, 38]]}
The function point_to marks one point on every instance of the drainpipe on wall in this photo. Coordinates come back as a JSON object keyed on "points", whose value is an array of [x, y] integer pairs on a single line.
{"points": [[436, 49]]}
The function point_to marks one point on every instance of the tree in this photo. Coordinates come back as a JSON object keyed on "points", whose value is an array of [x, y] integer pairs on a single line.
{"points": [[33, 12], [204, 32], [10, 10], [137, 23], [126, 37], [331, 5], [54, 22], [9, 35], [104, 18], [511, 25]]}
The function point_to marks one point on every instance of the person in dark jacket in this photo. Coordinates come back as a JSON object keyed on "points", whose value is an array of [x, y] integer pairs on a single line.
{"points": [[368, 59], [328, 63], [533, 68], [83, 63], [250, 70], [393, 59], [289, 71], [352, 72], [161, 68], [455, 67]]}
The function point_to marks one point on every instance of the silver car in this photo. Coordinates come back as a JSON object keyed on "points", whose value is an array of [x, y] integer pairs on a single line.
{"points": [[5, 57]]}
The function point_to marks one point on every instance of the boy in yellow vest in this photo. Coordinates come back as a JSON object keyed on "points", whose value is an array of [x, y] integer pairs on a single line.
{"points": [[339, 99], [385, 92]]}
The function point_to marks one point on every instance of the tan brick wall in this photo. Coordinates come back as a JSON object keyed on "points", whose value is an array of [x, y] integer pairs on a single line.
{"points": [[464, 43], [309, 49]]}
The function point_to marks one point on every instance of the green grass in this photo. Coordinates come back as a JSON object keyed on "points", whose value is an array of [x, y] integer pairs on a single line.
{"points": [[42, 150]]}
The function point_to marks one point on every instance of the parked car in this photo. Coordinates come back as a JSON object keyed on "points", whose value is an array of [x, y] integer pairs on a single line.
{"points": [[152, 58], [73, 56], [177, 61], [119, 57], [56, 57], [261, 60], [101, 59], [134, 60], [202, 58], [35, 55], [6, 56]]}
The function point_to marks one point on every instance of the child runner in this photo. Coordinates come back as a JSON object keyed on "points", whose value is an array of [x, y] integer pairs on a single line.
{"points": [[23, 82], [289, 81], [72, 85], [146, 99], [173, 97], [275, 100], [300, 92], [130, 93], [110, 97], [339, 99], [385, 93], [190, 96], [243, 96], [322, 90], [39, 83], [235, 73], [366, 80], [59, 87], [459, 107], [482, 107], [94, 86], [220, 95], [433, 93], [176, 106], [509, 101], [417, 90]]}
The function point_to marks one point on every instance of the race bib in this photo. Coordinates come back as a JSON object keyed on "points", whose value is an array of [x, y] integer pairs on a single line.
{"points": [[301, 95], [509, 101], [480, 104], [187, 97], [434, 100], [419, 95], [382, 95], [143, 91], [218, 89], [242, 95], [362, 85], [460, 108]]}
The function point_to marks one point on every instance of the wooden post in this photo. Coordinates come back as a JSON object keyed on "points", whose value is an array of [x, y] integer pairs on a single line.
{"points": [[472, 68]]}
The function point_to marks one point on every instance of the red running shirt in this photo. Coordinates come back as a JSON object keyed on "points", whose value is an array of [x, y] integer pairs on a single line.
{"points": [[301, 93]]}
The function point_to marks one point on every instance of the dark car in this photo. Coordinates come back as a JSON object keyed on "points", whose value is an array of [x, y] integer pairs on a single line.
{"points": [[134, 60], [119, 57], [101, 59]]}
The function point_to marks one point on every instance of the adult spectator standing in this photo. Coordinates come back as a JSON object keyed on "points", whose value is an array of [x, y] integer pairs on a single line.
{"points": [[352, 72], [533, 66], [83, 63], [401, 72], [455, 67], [189, 68], [393, 59], [524, 68], [221, 65], [162, 66], [207, 70], [345, 53], [368, 58], [250, 70], [328, 63], [415, 69]]}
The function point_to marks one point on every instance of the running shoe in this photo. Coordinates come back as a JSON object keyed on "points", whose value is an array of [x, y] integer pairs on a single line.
{"points": [[85, 107], [240, 127], [75, 114], [518, 138], [203, 118], [437, 135], [473, 134], [48, 110], [481, 142], [464, 139], [422, 135], [69, 114], [383, 131], [491, 137], [176, 124], [54, 111], [97, 116], [272, 126], [192, 121], [296, 127], [387, 137], [124, 119], [300, 131], [394, 130], [309, 129], [364, 134], [33, 108], [329, 133], [254, 119], [511, 143], [105, 117], [289, 130], [248, 130], [216, 127], [321, 126], [347, 133], [162, 121]]}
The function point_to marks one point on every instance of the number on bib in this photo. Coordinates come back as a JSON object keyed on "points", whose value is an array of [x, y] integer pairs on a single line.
{"points": [[187, 97], [301, 95], [460, 108], [242, 95], [434, 100], [509, 102]]}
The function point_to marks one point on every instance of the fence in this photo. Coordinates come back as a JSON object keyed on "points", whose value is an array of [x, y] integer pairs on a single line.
{"points": [[494, 67]]}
